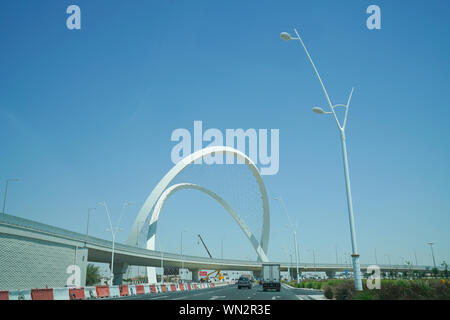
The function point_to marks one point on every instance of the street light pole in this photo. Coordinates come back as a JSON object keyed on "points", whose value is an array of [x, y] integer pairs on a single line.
{"points": [[137, 245], [314, 259], [113, 234], [432, 253], [87, 226], [390, 265], [290, 275], [341, 127], [295, 235], [162, 262], [6, 192], [337, 261], [182, 259]]}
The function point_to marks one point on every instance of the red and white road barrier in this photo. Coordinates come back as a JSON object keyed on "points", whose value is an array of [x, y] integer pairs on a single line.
{"points": [[61, 294], [4, 295], [90, 293], [20, 295], [102, 292]]}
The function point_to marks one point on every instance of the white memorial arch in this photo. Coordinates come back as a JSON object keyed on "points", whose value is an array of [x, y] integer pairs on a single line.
{"points": [[161, 192]]}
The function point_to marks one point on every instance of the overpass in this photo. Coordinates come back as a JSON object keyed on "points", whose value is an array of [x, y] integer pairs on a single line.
{"points": [[36, 255]]}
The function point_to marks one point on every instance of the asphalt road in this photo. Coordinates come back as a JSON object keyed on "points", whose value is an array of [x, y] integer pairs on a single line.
{"points": [[233, 293]]}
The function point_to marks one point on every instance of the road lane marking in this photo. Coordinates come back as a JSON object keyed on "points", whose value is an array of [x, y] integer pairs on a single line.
{"points": [[216, 297], [155, 298], [317, 297]]}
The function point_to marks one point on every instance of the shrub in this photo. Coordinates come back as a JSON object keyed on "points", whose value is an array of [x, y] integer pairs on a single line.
{"points": [[440, 290], [318, 285], [328, 292], [344, 290], [365, 295]]}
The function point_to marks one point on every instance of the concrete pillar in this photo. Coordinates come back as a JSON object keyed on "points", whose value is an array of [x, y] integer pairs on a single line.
{"points": [[294, 274], [195, 277], [119, 269]]}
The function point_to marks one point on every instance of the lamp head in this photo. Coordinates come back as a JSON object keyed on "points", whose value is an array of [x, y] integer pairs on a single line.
{"points": [[285, 36], [318, 110]]}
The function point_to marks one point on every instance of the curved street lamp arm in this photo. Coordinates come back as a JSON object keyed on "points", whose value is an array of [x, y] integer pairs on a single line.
{"points": [[121, 215], [103, 204], [315, 69], [346, 109]]}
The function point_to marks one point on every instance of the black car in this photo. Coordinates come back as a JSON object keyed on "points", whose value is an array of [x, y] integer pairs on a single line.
{"points": [[244, 282]]}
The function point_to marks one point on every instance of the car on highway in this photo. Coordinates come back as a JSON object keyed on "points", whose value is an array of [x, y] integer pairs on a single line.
{"points": [[244, 282]]}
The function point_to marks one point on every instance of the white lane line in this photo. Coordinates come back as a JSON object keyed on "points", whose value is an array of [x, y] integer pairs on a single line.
{"points": [[216, 297], [317, 297], [158, 297]]}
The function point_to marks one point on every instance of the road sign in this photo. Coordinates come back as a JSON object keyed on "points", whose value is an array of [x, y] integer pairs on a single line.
{"points": [[203, 273]]}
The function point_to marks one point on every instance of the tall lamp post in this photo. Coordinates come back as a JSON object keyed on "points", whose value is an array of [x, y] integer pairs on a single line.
{"points": [[137, 244], [6, 192], [390, 265], [113, 234], [432, 253], [87, 225], [341, 127], [292, 227], [289, 265], [181, 251]]}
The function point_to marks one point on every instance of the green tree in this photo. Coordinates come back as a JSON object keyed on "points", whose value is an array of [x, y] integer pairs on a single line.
{"points": [[445, 266], [93, 276], [435, 272]]}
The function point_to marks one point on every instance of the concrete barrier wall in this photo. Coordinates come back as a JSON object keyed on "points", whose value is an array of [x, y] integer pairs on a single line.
{"points": [[28, 262]]}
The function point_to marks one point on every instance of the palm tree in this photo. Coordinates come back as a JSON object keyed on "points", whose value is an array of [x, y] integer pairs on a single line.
{"points": [[93, 276]]}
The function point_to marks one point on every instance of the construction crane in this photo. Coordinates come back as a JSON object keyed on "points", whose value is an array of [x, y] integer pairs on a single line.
{"points": [[220, 276]]}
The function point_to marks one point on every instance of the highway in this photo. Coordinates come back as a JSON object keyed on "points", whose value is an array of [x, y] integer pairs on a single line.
{"points": [[233, 293]]}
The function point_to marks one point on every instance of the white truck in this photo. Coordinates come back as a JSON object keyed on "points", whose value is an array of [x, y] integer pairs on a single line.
{"points": [[271, 278]]}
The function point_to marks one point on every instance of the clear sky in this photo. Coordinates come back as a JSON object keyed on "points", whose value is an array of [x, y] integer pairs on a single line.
{"points": [[86, 116]]}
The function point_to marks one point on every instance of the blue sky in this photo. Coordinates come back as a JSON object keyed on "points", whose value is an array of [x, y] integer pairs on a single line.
{"points": [[86, 116]]}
